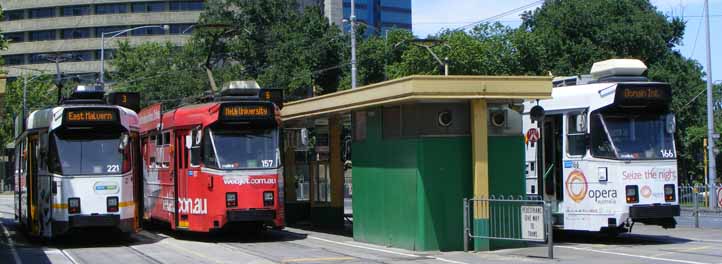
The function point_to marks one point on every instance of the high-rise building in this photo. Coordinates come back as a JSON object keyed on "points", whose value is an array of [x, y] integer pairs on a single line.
{"points": [[378, 15], [73, 28]]}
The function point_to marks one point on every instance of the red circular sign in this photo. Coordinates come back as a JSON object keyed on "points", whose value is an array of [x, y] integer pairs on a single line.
{"points": [[532, 135]]}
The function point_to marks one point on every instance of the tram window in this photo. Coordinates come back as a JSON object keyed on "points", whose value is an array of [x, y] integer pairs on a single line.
{"points": [[576, 145], [166, 138], [601, 146], [195, 151]]}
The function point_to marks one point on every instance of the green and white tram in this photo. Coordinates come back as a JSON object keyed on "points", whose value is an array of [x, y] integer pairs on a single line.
{"points": [[75, 165], [604, 153]]}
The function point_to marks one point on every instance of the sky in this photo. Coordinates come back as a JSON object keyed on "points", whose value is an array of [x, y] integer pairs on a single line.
{"points": [[430, 16]]}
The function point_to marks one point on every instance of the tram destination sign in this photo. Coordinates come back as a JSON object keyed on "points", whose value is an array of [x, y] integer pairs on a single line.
{"points": [[643, 94], [245, 111], [89, 116]]}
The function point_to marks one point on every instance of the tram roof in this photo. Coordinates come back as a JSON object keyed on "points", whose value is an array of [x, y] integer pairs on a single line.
{"points": [[43, 118], [421, 87], [593, 96]]}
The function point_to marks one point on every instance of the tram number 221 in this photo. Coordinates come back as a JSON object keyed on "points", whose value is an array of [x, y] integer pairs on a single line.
{"points": [[195, 206]]}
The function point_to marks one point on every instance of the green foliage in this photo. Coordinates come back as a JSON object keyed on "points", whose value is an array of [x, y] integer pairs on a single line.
{"points": [[567, 36], [161, 72], [272, 42], [40, 94]]}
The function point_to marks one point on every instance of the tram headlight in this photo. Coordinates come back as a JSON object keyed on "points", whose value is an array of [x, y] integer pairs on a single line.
{"points": [[231, 199], [73, 205], [632, 192], [267, 198], [669, 192], [112, 203]]}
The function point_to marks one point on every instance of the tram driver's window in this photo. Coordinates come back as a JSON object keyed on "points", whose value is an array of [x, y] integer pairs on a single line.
{"points": [[576, 137]]}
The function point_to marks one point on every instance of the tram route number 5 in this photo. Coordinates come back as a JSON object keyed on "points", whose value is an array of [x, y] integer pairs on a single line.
{"points": [[532, 223]]}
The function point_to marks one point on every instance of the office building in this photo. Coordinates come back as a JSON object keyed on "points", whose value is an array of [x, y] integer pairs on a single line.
{"points": [[73, 28]]}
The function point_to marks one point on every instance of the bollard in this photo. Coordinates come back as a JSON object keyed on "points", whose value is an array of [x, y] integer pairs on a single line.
{"points": [[550, 228], [466, 225], [695, 200]]}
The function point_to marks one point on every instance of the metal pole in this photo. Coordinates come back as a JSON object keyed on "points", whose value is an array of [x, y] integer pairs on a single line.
{"points": [[102, 57], [695, 200], [353, 44], [466, 225], [25, 96], [550, 229], [710, 113]]}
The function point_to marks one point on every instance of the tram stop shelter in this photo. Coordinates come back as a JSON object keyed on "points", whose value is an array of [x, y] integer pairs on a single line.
{"points": [[420, 144]]}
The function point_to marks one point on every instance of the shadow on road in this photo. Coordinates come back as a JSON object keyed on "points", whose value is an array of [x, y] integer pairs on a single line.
{"points": [[621, 239]]}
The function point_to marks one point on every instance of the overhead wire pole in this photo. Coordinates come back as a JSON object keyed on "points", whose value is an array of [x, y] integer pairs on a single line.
{"points": [[712, 176], [352, 18]]}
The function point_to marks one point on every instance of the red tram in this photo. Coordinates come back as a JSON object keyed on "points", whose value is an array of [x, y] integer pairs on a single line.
{"points": [[212, 165]]}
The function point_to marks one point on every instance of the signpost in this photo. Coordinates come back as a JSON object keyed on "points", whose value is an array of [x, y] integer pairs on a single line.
{"points": [[532, 223]]}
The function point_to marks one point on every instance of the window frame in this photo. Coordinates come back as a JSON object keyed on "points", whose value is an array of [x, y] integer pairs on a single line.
{"points": [[567, 134]]}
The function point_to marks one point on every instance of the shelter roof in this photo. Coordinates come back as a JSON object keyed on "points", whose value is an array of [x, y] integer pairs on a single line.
{"points": [[421, 87]]}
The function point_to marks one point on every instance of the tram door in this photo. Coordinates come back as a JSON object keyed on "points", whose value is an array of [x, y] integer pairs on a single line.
{"points": [[180, 171], [552, 140], [32, 183]]}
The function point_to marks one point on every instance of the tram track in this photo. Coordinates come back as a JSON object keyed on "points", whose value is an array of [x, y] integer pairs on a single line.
{"points": [[76, 258]]}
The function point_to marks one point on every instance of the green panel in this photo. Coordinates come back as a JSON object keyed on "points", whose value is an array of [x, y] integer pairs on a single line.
{"points": [[506, 177], [385, 176], [481, 228], [446, 178]]}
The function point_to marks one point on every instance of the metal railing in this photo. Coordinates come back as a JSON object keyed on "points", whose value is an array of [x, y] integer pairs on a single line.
{"points": [[695, 200], [510, 218]]}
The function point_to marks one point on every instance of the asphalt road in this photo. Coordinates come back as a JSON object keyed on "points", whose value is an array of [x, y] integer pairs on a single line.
{"points": [[644, 245]]}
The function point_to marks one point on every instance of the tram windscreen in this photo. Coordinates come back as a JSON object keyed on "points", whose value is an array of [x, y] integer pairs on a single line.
{"points": [[231, 149], [74, 153], [631, 136]]}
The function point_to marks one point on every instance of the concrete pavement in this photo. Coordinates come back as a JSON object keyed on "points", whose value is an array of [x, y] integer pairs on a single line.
{"points": [[645, 245]]}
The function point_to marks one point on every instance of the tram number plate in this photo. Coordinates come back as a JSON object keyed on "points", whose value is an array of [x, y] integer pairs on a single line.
{"points": [[532, 223]]}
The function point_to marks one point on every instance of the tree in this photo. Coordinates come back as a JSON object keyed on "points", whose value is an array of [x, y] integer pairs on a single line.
{"points": [[38, 90], [273, 42]]}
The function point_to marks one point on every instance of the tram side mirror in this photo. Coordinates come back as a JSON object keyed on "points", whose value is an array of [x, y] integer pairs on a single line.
{"points": [[124, 139], [198, 133], [581, 121], [670, 123], [43, 144], [189, 141], [304, 136], [536, 113]]}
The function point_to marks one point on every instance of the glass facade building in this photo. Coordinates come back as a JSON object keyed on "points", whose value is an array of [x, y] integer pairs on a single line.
{"points": [[380, 15]]}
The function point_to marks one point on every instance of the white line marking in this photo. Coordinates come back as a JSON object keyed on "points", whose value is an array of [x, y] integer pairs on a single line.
{"points": [[11, 243], [385, 251], [631, 255], [67, 255]]}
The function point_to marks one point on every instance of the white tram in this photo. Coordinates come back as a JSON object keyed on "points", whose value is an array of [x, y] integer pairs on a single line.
{"points": [[75, 165], [605, 154]]}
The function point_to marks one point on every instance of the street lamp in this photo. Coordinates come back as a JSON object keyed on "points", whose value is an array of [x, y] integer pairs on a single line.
{"points": [[444, 63], [115, 34]]}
